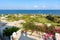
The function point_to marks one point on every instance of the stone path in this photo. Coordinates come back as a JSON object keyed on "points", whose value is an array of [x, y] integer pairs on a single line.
{"points": [[25, 36]]}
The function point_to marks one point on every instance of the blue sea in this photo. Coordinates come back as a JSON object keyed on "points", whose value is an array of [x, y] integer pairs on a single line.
{"points": [[56, 12]]}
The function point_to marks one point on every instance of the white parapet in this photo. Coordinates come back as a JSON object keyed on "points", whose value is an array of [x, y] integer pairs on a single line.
{"points": [[57, 35]]}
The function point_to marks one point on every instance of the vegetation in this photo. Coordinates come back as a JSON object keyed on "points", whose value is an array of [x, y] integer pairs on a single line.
{"points": [[49, 17], [12, 18], [53, 18], [32, 27], [42, 18], [30, 19], [9, 31]]}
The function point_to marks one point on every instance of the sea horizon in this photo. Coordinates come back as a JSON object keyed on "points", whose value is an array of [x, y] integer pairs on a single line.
{"points": [[54, 12]]}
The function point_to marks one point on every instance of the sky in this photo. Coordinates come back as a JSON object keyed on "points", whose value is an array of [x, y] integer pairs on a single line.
{"points": [[30, 4]]}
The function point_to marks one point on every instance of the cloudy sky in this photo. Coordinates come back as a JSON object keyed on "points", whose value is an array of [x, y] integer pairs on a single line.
{"points": [[30, 4]]}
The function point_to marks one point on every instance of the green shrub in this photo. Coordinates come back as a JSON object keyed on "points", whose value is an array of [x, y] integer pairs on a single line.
{"points": [[9, 31], [49, 17]]}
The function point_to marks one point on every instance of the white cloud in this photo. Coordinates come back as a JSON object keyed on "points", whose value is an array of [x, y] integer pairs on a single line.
{"points": [[43, 6], [35, 6]]}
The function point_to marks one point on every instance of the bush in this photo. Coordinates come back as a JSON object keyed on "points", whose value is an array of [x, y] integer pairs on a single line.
{"points": [[9, 31], [29, 26], [49, 17]]}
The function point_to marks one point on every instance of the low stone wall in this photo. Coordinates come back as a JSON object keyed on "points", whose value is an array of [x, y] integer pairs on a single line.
{"points": [[15, 35]]}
